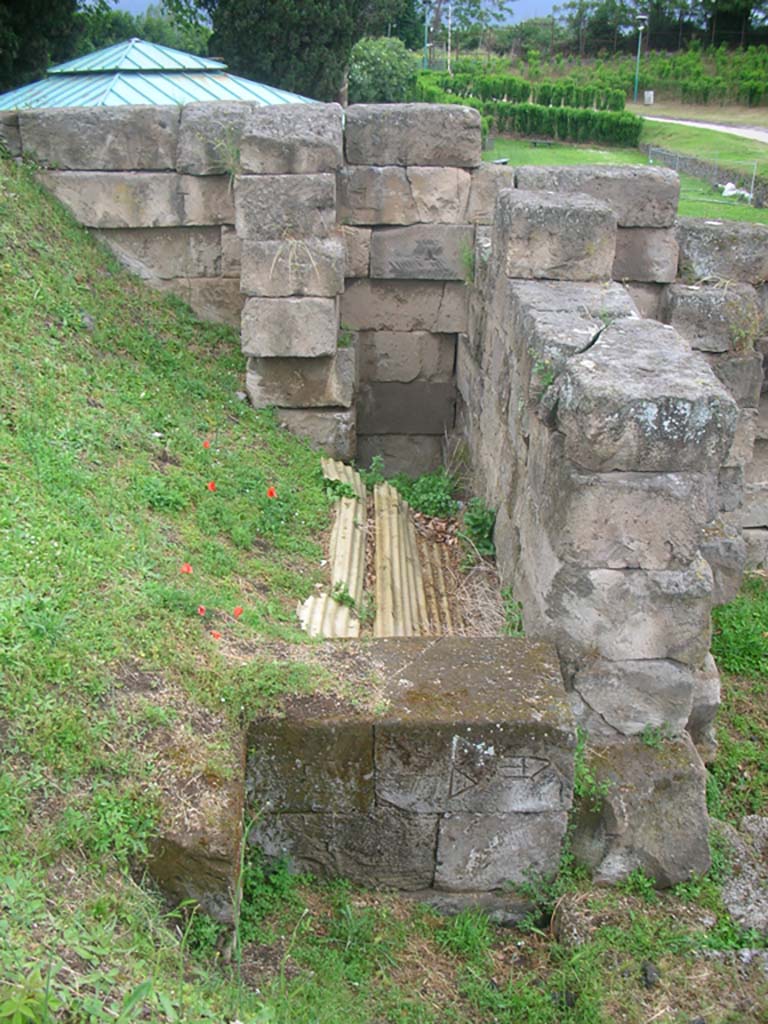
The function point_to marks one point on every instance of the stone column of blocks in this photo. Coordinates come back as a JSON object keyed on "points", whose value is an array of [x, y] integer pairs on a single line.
{"points": [[292, 272], [404, 203]]}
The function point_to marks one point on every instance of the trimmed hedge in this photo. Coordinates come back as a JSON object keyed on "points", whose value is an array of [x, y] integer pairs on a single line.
{"points": [[565, 92]]}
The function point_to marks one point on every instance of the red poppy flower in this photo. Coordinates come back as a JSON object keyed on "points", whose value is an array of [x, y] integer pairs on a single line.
{"points": [[271, 492], [186, 568], [237, 612], [206, 443], [215, 635], [201, 609], [211, 485]]}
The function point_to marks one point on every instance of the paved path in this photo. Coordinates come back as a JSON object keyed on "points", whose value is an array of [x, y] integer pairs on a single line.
{"points": [[757, 134]]}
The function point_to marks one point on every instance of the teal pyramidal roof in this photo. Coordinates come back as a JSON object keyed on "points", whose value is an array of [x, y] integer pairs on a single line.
{"points": [[137, 72]]}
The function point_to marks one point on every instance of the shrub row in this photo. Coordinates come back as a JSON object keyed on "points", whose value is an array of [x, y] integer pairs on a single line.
{"points": [[562, 93]]}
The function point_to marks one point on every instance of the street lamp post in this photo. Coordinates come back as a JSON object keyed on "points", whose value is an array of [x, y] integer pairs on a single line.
{"points": [[642, 21], [425, 62]]}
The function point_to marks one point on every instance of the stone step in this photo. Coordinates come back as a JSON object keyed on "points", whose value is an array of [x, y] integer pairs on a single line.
{"points": [[401, 604]]}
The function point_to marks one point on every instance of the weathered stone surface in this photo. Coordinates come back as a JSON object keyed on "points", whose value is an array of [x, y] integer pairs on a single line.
{"points": [[722, 251], [10, 136], [706, 701], [723, 547], [332, 430], [654, 816], [559, 237], [756, 459], [644, 197], [745, 890], [490, 851], [357, 249], [135, 199], [630, 695], [303, 383], [711, 318], [301, 765], [502, 908], [293, 138], [730, 488], [761, 423], [413, 454], [756, 539], [211, 298], [433, 135], [420, 407], [742, 376], [647, 298], [406, 356], [645, 254], [386, 847], [436, 252], [294, 266], [403, 195], [231, 252], [299, 327], [640, 400], [285, 206], [166, 252], [754, 511], [405, 306], [487, 181], [102, 138], [209, 137]]}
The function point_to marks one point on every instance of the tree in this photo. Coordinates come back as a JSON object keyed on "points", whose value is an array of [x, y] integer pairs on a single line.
{"points": [[381, 71], [34, 35]]}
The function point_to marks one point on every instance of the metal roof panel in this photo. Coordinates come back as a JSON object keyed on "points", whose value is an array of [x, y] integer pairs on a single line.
{"points": [[137, 55]]}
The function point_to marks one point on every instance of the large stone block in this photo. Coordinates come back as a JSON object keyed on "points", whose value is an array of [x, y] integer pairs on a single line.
{"points": [[437, 252], [706, 701], [285, 206], [757, 459], [231, 252], [209, 137], [756, 539], [645, 254], [640, 400], [754, 511], [487, 181], [406, 356], [743, 450], [741, 375], [304, 766], [384, 848], [294, 266], [403, 195], [490, 851], [166, 252], [641, 197], [416, 408], [559, 237], [136, 199], [413, 454], [357, 249], [724, 549], [722, 251], [413, 133], [714, 319], [292, 139], [332, 430], [211, 298], [10, 136], [298, 327], [303, 383], [133, 138], [405, 306]]}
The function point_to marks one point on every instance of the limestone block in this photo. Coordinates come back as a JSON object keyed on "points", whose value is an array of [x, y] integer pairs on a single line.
{"points": [[209, 137], [487, 181], [440, 308], [436, 252], [490, 851], [712, 318], [413, 454], [384, 848], [293, 266], [311, 765], [724, 549], [631, 615], [754, 511], [285, 206], [133, 138], [560, 237], [722, 251], [640, 400], [357, 248], [756, 539], [332, 430], [631, 695], [292, 138], [10, 136], [403, 195], [653, 818], [303, 383], [647, 298], [420, 407], [641, 197], [166, 252], [432, 135], [706, 701], [645, 254], [135, 199], [231, 252], [299, 327], [211, 298], [742, 376], [406, 356]]}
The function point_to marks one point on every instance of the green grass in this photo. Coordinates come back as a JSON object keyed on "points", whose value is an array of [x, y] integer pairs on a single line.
{"points": [[706, 144]]}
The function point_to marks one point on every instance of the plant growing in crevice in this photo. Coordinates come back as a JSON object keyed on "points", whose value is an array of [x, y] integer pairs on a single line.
{"points": [[478, 522], [513, 614]]}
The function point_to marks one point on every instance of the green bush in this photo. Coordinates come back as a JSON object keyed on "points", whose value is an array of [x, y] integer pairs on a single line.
{"points": [[382, 71]]}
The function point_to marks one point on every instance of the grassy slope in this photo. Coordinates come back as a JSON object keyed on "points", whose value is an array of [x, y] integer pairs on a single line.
{"points": [[108, 392]]}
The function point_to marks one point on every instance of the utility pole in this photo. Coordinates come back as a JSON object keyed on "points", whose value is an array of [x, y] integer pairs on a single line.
{"points": [[450, 12], [642, 21], [425, 62]]}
